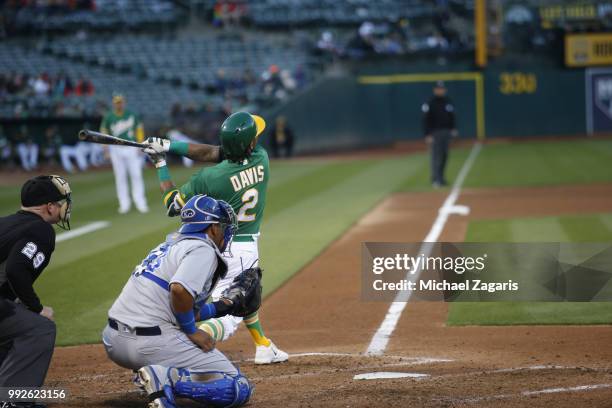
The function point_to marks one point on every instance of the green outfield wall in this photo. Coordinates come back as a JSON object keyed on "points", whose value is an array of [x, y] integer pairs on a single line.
{"points": [[374, 107]]}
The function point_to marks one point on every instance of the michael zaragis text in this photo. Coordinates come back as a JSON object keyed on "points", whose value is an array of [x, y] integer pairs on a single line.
{"points": [[443, 285]]}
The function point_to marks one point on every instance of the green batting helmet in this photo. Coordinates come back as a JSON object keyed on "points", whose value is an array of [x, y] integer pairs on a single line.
{"points": [[237, 133]]}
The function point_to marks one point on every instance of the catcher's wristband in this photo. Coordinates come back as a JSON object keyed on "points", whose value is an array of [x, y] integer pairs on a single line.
{"points": [[207, 311], [186, 321], [180, 148], [163, 173], [215, 309]]}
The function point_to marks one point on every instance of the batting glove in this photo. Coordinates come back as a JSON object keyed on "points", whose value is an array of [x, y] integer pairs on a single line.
{"points": [[156, 145], [158, 159], [175, 206]]}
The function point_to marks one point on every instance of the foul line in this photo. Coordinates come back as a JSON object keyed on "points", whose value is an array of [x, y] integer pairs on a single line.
{"points": [[579, 388], [85, 229], [379, 341]]}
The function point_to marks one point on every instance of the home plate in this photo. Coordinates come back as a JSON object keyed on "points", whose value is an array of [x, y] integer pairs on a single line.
{"points": [[386, 375]]}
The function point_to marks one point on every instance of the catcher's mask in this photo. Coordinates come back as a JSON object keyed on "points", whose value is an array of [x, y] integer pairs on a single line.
{"points": [[201, 211], [49, 189]]}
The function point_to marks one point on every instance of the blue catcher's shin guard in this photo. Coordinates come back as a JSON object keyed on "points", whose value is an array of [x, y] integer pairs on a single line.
{"points": [[216, 389]]}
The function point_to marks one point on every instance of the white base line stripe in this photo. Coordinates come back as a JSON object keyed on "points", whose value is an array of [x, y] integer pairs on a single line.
{"points": [[568, 389], [538, 392], [85, 229], [384, 375], [407, 360], [379, 341]]}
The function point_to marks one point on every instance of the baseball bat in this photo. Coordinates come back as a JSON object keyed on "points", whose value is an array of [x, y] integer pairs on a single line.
{"points": [[101, 138]]}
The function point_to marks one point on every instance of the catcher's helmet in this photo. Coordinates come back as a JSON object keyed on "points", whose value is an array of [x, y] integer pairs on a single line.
{"points": [[237, 133], [201, 211]]}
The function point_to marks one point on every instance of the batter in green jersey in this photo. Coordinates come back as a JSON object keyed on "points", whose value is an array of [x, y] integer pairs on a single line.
{"points": [[243, 185], [241, 179]]}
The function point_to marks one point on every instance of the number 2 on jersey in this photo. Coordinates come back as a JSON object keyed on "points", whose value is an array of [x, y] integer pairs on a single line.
{"points": [[249, 198]]}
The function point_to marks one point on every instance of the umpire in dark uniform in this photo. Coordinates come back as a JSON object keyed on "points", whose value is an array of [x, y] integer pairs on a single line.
{"points": [[439, 127], [27, 240]]}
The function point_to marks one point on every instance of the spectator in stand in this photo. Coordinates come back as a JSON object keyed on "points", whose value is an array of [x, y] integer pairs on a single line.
{"points": [[84, 87], [327, 44], [273, 84], [62, 86], [228, 12], [362, 43], [16, 84], [27, 150], [249, 77], [221, 83], [288, 82], [38, 86], [282, 138], [299, 75], [52, 145]]}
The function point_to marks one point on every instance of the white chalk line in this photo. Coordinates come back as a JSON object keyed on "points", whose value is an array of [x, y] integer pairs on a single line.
{"points": [[356, 355], [388, 375], [85, 229], [380, 340], [402, 361], [567, 389], [579, 388]]}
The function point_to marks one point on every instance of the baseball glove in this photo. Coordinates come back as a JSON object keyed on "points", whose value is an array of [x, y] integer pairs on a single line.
{"points": [[245, 292]]}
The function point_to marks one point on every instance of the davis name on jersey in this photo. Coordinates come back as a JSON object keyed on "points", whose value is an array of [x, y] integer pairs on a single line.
{"points": [[247, 178]]}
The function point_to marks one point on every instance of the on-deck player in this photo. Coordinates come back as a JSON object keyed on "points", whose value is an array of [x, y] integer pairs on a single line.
{"points": [[126, 161]]}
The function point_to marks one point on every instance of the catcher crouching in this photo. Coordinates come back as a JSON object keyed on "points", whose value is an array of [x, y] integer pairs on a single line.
{"points": [[151, 326]]}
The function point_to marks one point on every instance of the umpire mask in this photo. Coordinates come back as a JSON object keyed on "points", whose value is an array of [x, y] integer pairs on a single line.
{"points": [[66, 202]]}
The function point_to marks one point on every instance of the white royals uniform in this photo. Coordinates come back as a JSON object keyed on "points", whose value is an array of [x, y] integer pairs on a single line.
{"points": [[144, 302]]}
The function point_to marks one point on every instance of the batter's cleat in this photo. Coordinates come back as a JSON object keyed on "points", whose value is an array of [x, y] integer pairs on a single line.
{"points": [[270, 354], [155, 382]]}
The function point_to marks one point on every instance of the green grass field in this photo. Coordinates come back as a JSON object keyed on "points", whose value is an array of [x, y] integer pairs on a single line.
{"points": [[574, 228], [310, 204], [533, 164]]}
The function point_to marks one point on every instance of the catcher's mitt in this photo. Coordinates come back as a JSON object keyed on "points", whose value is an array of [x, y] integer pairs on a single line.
{"points": [[245, 292]]}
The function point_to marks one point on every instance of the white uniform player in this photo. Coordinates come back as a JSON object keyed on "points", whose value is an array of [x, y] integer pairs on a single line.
{"points": [[126, 161], [152, 323]]}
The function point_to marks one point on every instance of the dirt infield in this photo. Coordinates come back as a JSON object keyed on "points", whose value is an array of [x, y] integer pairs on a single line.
{"points": [[319, 318]]}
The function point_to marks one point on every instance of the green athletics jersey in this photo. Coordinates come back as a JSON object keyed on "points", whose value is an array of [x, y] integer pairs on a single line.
{"points": [[242, 185], [124, 126]]}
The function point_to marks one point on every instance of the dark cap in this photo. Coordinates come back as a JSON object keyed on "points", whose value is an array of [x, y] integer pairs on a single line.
{"points": [[40, 190]]}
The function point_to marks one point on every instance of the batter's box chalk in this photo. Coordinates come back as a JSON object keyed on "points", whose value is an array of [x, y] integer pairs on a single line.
{"points": [[385, 375]]}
